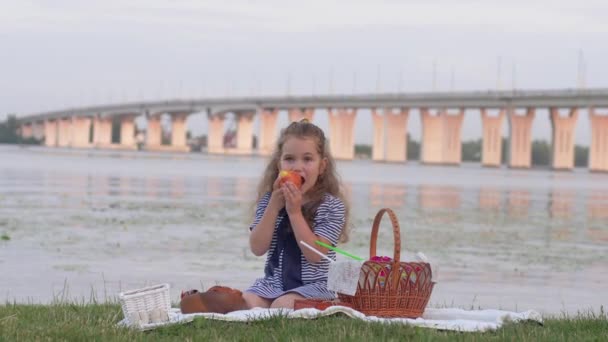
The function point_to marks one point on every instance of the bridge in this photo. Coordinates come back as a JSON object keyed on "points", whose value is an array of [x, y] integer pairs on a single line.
{"points": [[441, 117]]}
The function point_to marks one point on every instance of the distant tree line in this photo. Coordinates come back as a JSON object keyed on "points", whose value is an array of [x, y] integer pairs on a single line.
{"points": [[9, 132], [472, 149]]}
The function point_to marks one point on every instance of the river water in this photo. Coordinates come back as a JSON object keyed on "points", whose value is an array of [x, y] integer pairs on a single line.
{"points": [[87, 224]]}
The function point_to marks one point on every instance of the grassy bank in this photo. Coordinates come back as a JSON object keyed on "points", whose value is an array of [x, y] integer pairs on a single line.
{"points": [[77, 322]]}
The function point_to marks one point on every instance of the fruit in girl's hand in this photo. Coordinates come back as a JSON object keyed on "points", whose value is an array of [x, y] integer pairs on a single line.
{"points": [[291, 176]]}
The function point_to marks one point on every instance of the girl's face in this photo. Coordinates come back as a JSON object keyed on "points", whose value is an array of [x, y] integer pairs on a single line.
{"points": [[301, 155]]}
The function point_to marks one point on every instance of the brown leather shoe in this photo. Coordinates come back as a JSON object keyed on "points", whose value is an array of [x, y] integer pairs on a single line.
{"points": [[218, 299]]}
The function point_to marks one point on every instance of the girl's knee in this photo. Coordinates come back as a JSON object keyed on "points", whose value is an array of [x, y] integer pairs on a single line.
{"points": [[255, 301], [286, 301]]}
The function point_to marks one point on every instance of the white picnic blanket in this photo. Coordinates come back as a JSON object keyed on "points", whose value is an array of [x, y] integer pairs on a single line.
{"points": [[443, 319]]}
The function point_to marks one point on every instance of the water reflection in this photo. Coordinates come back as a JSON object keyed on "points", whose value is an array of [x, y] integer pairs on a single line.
{"points": [[439, 197], [597, 205], [152, 187], [561, 203], [490, 199], [214, 187], [177, 187], [391, 196], [518, 203]]}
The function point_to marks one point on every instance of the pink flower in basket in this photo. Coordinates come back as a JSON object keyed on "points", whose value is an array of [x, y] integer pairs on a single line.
{"points": [[381, 259], [382, 273]]}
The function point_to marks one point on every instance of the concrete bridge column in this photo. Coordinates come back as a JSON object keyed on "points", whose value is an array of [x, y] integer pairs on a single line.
{"points": [[153, 133], [178, 132], [102, 131], [127, 132], [441, 137], [520, 138], [268, 131], [452, 142], [491, 154], [64, 137], [563, 138], [297, 114], [26, 130], [80, 131], [432, 137], [378, 148], [215, 137], [38, 130], [244, 133], [396, 134], [50, 132], [341, 133], [598, 149]]}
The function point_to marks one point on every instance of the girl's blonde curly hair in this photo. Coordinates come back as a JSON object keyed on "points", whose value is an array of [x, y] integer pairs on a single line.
{"points": [[327, 183]]}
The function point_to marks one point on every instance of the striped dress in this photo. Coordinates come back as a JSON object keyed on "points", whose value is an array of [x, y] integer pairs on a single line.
{"points": [[328, 223]]}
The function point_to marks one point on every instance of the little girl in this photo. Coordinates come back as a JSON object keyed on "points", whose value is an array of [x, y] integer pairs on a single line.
{"points": [[286, 215]]}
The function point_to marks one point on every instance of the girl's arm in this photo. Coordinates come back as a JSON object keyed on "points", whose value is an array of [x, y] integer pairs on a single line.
{"points": [[261, 235]]}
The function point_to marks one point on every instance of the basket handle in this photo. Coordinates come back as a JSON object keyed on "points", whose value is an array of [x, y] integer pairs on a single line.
{"points": [[396, 234]]}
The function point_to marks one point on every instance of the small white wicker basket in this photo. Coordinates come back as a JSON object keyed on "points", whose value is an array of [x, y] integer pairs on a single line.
{"points": [[146, 305]]}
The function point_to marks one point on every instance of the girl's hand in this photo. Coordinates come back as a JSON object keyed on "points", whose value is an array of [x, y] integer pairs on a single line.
{"points": [[277, 200], [293, 198]]}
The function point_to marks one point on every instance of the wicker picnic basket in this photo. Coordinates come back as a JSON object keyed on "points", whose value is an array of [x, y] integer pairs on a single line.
{"points": [[391, 288], [146, 305]]}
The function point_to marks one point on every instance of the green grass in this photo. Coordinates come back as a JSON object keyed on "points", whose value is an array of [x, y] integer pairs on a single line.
{"points": [[85, 322]]}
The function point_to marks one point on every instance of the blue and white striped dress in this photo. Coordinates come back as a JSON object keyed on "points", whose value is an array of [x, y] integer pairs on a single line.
{"points": [[328, 223]]}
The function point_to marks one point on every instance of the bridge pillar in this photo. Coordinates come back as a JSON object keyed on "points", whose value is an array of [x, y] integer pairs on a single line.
{"points": [[102, 131], [215, 137], [341, 133], [50, 132], [520, 138], [563, 138], [441, 137], [127, 132], [396, 134], [598, 149], [244, 132], [64, 136], [452, 142], [38, 127], [153, 133], [81, 127], [491, 154], [378, 148], [268, 131], [297, 114], [432, 137], [26, 130], [178, 132]]}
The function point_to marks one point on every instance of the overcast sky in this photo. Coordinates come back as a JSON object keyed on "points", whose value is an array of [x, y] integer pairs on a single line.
{"points": [[63, 53]]}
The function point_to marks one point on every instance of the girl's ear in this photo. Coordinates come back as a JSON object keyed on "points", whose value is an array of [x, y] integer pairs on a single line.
{"points": [[323, 166]]}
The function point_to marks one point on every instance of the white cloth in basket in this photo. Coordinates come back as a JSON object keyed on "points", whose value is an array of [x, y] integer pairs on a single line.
{"points": [[343, 276], [442, 319]]}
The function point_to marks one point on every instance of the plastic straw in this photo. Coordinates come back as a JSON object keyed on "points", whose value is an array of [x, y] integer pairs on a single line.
{"points": [[316, 251], [337, 250]]}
